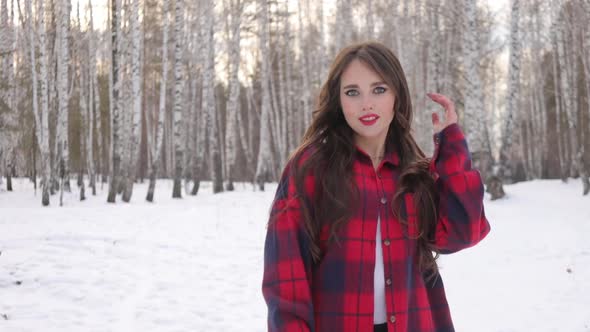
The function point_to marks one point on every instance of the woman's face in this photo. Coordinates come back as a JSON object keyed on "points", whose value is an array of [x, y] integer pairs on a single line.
{"points": [[367, 102]]}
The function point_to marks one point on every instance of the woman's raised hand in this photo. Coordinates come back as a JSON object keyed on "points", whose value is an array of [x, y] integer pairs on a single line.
{"points": [[450, 116]]}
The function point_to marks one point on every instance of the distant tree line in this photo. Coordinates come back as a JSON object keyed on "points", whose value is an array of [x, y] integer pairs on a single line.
{"points": [[222, 91]]}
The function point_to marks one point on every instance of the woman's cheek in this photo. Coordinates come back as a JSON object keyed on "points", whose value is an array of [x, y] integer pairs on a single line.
{"points": [[349, 106]]}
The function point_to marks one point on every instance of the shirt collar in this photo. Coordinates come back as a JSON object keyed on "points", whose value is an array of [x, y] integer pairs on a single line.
{"points": [[391, 157]]}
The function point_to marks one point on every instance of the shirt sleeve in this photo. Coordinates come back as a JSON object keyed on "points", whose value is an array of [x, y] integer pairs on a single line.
{"points": [[461, 217], [287, 263]]}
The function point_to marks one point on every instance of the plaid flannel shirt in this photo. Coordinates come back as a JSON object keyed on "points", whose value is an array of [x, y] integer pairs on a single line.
{"points": [[336, 294]]}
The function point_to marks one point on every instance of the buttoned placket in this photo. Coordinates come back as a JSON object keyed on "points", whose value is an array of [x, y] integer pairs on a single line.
{"points": [[385, 240]]}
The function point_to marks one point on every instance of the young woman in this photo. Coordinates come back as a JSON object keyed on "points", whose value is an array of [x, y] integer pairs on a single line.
{"points": [[359, 210]]}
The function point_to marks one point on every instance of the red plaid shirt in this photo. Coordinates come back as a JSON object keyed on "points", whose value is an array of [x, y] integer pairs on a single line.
{"points": [[336, 294]]}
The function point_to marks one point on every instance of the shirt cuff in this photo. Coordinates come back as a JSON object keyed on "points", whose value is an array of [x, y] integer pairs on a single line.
{"points": [[441, 139]]}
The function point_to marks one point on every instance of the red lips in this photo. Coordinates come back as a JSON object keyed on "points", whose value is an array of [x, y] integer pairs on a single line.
{"points": [[369, 119]]}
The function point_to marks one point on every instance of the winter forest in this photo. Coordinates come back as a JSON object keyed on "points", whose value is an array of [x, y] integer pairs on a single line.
{"points": [[184, 113], [222, 91]]}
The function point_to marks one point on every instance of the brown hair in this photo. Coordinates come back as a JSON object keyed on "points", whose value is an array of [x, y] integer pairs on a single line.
{"points": [[329, 152]]}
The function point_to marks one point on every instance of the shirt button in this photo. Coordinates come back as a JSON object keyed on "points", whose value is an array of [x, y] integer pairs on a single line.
{"points": [[388, 281], [386, 242], [436, 139], [383, 200], [392, 318]]}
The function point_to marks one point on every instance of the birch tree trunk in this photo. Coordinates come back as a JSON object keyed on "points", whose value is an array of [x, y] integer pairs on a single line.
{"points": [[433, 62], [369, 20], [276, 112], [208, 100], [40, 112], [200, 125], [84, 88], [264, 162], [567, 83], [513, 92], [62, 144], [245, 139], [539, 122], [43, 71], [115, 116], [322, 49], [199, 121], [571, 65], [558, 102], [287, 127], [136, 100], [233, 105], [94, 95], [178, 86], [8, 110], [156, 147], [305, 101], [475, 119], [125, 97], [344, 33], [586, 63]]}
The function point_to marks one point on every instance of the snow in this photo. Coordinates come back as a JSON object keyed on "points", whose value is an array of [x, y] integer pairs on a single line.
{"points": [[196, 264]]}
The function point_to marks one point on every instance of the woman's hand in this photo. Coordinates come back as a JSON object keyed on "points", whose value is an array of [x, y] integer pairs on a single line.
{"points": [[450, 114]]}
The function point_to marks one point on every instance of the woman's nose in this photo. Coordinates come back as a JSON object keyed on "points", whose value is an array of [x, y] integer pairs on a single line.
{"points": [[367, 105]]}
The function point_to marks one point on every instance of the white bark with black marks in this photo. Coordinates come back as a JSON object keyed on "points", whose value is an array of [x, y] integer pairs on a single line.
{"points": [[156, 144], [178, 94], [136, 95], [115, 158], [474, 108], [264, 166], [233, 104]]}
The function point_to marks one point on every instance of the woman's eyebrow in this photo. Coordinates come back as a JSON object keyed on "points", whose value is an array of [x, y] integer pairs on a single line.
{"points": [[356, 86]]}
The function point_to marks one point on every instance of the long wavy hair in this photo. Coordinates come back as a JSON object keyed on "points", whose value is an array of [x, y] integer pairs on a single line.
{"points": [[328, 151]]}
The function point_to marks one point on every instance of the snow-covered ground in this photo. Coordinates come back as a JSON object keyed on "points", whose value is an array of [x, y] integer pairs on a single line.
{"points": [[196, 264]]}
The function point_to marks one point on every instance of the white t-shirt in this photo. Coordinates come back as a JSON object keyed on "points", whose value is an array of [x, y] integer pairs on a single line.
{"points": [[379, 315]]}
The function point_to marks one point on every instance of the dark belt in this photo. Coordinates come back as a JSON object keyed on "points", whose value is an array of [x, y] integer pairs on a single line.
{"points": [[380, 327]]}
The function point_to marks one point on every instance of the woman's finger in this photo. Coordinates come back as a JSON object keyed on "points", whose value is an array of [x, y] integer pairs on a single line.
{"points": [[442, 100], [435, 119]]}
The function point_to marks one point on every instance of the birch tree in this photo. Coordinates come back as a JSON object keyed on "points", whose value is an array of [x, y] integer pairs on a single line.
{"points": [[567, 79], [513, 91], [434, 58], [115, 116], [62, 59], [43, 71], [586, 52], [208, 101], [264, 162], [369, 20], [86, 115], [125, 96], [475, 118], [303, 116], [156, 146], [199, 123], [233, 105], [178, 86], [277, 84], [136, 100], [94, 94], [344, 31], [586, 64], [8, 122], [40, 111]]}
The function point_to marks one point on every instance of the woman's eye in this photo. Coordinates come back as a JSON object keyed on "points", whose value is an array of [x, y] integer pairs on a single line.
{"points": [[380, 89], [351, 93]]}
